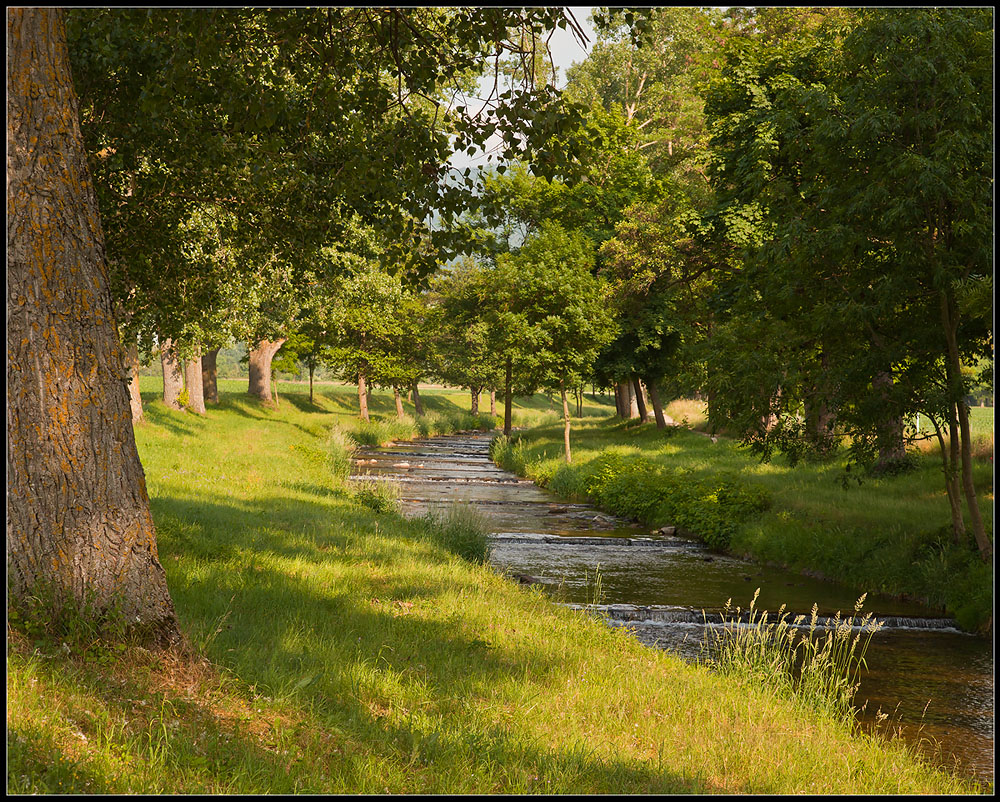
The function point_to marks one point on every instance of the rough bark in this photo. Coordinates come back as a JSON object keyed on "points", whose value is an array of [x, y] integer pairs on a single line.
{"points": [[566, 421], [620, 407], [210, 376], [633, 406], [639, 400], [79, 529], [493, 403], [260, 368], [399, 402], [193, 385], [173, 377], [654, 400], [135, 399], [475, 399], [507, 397], [363, 396], [418, 407]]}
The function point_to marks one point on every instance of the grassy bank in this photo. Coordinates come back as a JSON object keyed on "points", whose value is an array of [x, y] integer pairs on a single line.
{"points": [[336, 650], [889, 534]]}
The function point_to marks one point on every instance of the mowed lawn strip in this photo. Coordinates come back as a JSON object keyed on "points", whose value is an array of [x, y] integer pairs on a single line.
{"points": [[333, 650]]}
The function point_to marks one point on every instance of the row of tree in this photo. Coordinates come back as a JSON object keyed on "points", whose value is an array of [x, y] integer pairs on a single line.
{"points": [[786, 211], [242, 160]]}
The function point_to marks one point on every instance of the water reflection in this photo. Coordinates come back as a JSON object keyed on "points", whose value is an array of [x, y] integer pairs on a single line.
{"points": [[935, 684]]}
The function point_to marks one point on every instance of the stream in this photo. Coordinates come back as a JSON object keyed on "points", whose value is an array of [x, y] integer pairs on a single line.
{"points": [[934, 681]]}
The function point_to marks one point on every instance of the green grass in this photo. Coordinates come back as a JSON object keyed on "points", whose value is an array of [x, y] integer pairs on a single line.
{"points": [[332, 649], [889, 534]]}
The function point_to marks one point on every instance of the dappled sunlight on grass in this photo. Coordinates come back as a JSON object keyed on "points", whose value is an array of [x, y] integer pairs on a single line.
{"points": [[335, 650]]}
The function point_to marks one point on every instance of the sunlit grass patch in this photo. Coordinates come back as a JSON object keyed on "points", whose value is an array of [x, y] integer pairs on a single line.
{"points": [[334, 650]]}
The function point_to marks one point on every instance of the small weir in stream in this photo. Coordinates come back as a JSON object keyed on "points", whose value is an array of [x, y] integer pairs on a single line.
{"points": [[934, 682]]}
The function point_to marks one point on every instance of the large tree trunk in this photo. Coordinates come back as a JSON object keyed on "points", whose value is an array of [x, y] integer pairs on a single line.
{"points": [[135, 399], [363, 396], [819, 424], [566, 422], [654, 399], [260, 368], [210, 376], [417, 406], [889, 432], [399, 402], [173, 378], [193, 385], [639, 400], [820, 419], [78, 520], [508, 398], [633, 406], [622, 400], [475, 399]]}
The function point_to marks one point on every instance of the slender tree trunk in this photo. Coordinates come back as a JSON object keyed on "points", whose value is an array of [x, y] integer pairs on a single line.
{"points": [[508, 397], [210, 376], [399, 402], [260, 368], [968, 483], [78, 520], [621, 406], [475, 400], [565, 404], [193, 385], [953, 361], [640, 401], [493, 403], [135, 399], [173, 378], [417, 406], [312, 369], [654, 399], [951, 484], [363, 396]]}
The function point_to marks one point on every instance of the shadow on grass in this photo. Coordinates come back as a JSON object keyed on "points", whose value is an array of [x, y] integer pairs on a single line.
{"points": [[350, 655], [51, 771]]}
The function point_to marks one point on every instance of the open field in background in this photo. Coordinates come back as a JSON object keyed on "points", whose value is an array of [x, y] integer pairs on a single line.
{"points": [[335, 650]]}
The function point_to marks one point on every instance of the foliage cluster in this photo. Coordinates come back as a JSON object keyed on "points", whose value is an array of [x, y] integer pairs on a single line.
{"points": [[712, 509]]}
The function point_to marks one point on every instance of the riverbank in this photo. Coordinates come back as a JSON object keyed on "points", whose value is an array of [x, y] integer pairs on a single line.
{"points": [[336, 650], [887, 535]]}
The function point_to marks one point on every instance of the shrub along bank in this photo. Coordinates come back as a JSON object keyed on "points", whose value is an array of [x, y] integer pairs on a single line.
{"points": [[888, 534], [335, 649]]}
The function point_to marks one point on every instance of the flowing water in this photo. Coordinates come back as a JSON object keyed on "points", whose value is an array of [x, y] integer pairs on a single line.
{"points": [[934, 682]]}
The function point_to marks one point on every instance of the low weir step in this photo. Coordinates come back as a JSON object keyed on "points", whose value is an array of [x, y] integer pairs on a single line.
{"points": [[668, 615], [576, 540]]}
